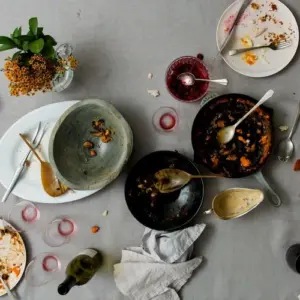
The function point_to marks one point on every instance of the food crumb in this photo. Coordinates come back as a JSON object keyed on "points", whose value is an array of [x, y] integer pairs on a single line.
{"points": [[249, 58], [95, 229], [153, 93], [88, 145], [150, 76], [255, 6], [273, 6], [27, 163], [283, 128], [105, 213], [297, 165], [93, 153]]}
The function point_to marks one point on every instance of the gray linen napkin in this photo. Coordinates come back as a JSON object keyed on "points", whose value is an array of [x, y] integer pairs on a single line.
{"points": [[160, 267]]}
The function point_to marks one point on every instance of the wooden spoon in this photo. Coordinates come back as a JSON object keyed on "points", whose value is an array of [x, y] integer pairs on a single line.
{"points": [[51, 184], [171, 180]]}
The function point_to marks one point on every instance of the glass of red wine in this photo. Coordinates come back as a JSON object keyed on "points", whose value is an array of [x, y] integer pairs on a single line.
{"points": [[59, 231], [293, 257], [182, 92]]}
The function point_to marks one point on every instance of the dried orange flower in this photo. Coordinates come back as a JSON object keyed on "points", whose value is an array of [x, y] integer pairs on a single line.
{"points": [[36, 75]]}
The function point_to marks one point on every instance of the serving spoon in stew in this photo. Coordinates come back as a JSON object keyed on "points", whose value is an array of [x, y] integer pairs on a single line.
{"points": [[226, 134], [171, 180]]}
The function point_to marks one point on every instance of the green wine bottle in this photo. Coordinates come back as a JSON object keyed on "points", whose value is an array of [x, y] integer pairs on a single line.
{"points": [[80, 270]]}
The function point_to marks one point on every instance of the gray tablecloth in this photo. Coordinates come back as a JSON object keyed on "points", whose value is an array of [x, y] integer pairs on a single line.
{"points": [[118, 43]]}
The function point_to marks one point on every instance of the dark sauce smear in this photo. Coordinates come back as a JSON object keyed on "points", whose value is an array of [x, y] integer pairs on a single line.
{"points": [[179, 90], [250, 146]]}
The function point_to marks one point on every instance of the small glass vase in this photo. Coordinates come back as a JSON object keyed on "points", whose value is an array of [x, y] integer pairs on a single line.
{"points": [[62, 81]]}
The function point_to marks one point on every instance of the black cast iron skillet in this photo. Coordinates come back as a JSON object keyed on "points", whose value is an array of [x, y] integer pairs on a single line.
{"points": [[215, 108], [163, 211], [202, 153]]}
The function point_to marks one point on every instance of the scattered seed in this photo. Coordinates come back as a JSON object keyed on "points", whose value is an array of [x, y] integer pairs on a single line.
{"points": [[105, 213], [150, 76]]}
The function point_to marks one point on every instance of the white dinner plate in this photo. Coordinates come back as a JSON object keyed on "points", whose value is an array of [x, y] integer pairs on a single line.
{"points": [[268, 61], [13, 150]]}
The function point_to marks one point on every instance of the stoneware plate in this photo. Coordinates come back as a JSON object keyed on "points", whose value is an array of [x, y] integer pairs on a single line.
{"points": [[13, 150], [74, 165], [273, 17]]}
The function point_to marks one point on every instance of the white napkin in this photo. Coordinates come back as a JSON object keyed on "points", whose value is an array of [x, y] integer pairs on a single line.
{"points": [[159, 268]]}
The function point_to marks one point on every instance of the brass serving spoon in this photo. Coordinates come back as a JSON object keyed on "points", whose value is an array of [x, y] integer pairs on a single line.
{"points": [[51, 184], [171, 180]]}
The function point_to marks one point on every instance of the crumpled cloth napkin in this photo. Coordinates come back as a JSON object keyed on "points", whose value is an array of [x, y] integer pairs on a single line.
{"points": [[160, 267]]}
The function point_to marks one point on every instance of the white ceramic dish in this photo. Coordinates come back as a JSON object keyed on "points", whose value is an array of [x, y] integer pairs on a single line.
{"points": [[13, 149], [269, 62], [15, 281]]}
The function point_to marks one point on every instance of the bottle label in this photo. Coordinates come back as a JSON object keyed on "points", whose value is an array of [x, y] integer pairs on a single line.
{"points": [[89, 252]]}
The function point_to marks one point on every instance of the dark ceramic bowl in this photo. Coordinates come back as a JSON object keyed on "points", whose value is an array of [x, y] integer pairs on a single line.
{"points": [[72, 162], [164, 211]]}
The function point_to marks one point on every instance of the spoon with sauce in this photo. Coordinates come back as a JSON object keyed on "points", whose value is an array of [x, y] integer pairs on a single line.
{"points": [[189, 79], [234, 203], [52, 186], [226, 134], [171, 180]]}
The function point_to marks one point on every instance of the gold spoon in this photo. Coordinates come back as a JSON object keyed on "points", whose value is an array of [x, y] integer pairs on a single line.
{"points": [[51, 184], [171, 180]]}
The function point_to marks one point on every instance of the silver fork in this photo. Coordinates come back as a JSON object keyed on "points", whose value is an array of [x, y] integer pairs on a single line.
{"points": [[37, 137], [273, 46]]}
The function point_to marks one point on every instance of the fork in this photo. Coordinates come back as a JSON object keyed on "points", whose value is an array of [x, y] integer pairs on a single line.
{"points": [[37, 137], [273, 46]]}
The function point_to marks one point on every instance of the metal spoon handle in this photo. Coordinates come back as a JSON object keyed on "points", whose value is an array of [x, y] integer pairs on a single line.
{"points": [[205, 176], [242, 50], [266, 97], [273, 198], [295, 122], [223, 81]]}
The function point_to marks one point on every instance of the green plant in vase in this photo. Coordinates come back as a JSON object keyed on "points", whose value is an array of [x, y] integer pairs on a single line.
{"points": [[36, 66]]}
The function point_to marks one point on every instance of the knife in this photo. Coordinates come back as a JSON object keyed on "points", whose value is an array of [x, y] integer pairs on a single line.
{"points": [[21, 166], [236, 20]]}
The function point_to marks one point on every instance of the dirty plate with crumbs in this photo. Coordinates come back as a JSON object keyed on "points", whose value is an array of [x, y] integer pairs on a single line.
{"points": [[263, 22], [12, 257]]}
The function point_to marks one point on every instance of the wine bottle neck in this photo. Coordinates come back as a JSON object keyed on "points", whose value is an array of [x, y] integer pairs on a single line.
{"points": [[65, 287]]}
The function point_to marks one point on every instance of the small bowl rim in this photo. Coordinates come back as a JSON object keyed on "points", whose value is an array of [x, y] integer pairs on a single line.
{"points": [[128, 147]]}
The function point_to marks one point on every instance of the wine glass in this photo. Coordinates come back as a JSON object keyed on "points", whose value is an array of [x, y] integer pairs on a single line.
{"points": [[59, 231], [42, 269], [24, 215], [165, 119]]}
